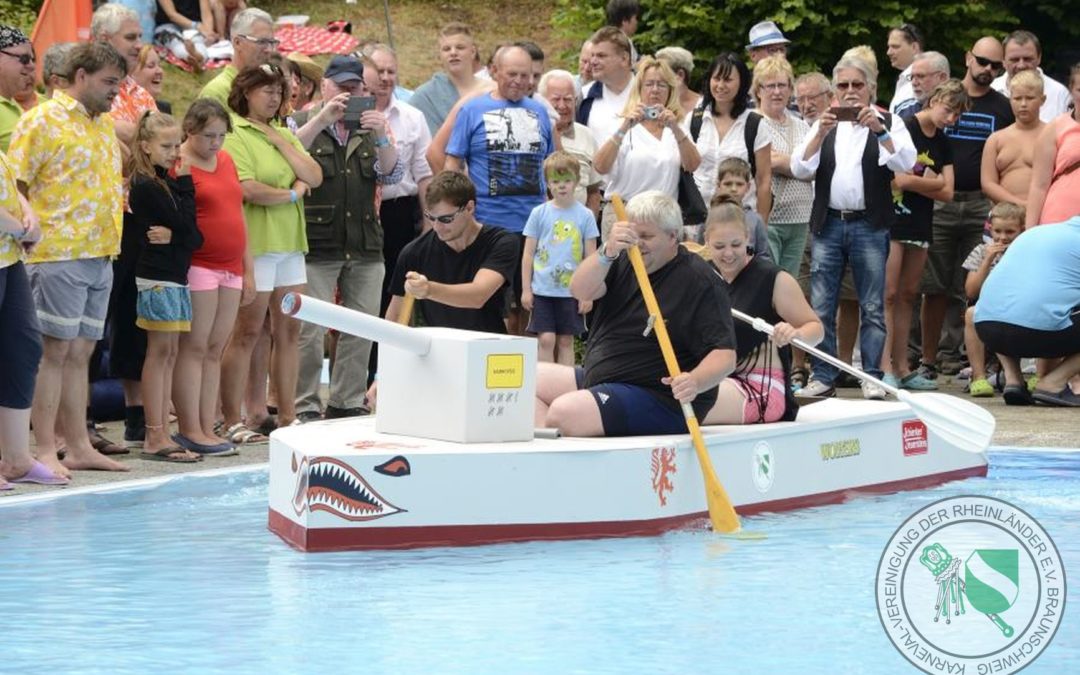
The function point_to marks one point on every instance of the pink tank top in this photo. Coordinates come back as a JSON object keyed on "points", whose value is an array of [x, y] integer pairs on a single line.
{"points": [[1063, 197]]}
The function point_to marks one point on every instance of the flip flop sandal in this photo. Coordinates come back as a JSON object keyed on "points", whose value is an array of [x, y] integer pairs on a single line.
{"points": [[4, 485], [39, 474], [218, 450], [107, 447], [267, 426], [166, 455], [241, 435]]}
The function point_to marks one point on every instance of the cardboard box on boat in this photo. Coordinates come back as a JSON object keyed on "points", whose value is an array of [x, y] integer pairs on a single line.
{"points": [[470, 387]]}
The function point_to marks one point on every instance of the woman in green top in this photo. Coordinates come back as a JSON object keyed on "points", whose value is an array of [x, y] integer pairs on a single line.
{"points": [[275, 173]]}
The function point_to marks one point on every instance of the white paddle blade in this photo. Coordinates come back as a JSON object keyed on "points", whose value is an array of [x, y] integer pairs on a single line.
{"points": [[966, 425]]}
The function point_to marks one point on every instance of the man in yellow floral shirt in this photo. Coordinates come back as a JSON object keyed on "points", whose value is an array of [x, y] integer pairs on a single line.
{"points": [[67, 161]]}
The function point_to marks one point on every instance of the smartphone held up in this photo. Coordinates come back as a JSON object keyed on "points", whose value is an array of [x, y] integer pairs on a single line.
{"points": [[356, 106]]}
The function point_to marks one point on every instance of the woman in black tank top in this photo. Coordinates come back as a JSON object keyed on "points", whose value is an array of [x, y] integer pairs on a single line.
{"points": [[759, 389]]}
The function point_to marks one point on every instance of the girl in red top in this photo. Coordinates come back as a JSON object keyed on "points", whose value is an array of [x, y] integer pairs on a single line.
{"points": [[221, 276]]}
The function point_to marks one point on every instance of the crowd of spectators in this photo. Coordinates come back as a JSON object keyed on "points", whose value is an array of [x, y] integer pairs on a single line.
{"points": [[169, 242]]}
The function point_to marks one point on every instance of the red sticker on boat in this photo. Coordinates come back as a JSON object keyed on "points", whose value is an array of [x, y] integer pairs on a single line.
{"points": [[915, 438]]}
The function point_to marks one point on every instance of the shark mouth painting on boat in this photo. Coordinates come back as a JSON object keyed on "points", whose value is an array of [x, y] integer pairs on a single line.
{"points": [[328, 484]]}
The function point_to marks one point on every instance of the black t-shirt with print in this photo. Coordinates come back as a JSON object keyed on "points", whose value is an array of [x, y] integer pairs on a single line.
{"points": [[494, 249], [694, 301], [914, 211], [988, 114]]}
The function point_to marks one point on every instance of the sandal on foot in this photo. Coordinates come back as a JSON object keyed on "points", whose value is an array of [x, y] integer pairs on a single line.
{"points": [[1064, 398], [219, 450], [106, 447], [1017, 394], [241, 435], [166, 455], [39, 474], [266, 426]]}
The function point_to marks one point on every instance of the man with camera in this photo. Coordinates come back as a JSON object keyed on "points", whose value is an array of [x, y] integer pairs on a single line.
{"points": [[853, 151], [349, 139]]}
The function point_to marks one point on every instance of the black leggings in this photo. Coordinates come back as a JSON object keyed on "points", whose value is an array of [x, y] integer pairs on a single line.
{"points": [[20, 339]]}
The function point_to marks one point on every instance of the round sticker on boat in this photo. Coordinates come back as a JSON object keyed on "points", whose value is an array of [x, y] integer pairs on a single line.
{"points": [[971, 584], [762, 469]]}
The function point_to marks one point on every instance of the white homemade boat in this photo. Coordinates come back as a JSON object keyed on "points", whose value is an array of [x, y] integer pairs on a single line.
{"points": [[342, 485]]}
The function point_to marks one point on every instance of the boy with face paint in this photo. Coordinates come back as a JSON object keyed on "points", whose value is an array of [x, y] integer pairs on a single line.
{"points": [[558, 235]]}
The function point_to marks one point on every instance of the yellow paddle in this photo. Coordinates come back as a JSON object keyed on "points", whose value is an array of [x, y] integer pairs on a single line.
{"points": [[405, 315], [721, 512]]}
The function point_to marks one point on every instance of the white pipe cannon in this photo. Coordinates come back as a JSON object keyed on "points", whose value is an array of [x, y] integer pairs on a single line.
{"points": [[329, 315], [442, 383]]}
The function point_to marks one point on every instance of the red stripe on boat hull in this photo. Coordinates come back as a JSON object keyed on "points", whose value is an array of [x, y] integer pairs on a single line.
{"points": [[361, 538]]}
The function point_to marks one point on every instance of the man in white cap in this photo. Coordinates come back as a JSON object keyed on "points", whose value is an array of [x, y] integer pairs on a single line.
{"points": [[766, 40]]}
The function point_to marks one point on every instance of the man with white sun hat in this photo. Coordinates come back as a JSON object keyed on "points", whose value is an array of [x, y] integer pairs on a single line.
{"points": [[766, 40]]}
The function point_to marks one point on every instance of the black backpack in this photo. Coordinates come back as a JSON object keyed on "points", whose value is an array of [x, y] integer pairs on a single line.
{"points": [[753, 121]]}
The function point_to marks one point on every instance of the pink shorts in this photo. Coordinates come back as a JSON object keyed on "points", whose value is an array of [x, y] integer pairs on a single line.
{"points": [[764, 394], [204, 279]]}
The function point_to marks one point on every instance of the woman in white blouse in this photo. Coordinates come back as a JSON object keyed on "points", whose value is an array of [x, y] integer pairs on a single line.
{"points": [[650, 148], [792, 198], [725, 107]]}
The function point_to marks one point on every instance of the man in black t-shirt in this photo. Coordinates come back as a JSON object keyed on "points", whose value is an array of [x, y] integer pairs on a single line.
{"points": [[457, 269], [624, 390], [958, 225]]}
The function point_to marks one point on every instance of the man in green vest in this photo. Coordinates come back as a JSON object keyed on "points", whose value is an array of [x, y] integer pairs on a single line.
{"points": [[345, 238]]}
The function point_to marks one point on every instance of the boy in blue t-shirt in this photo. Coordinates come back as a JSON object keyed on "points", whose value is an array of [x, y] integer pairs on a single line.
{"points": [[559, 234]]}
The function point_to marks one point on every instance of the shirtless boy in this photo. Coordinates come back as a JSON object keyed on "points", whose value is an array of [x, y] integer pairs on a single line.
{"points": [[1009, 153]]}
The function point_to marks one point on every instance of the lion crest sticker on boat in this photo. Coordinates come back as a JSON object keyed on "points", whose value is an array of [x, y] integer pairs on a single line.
{"points": [[763, 469], [970, 584], [663, 465]]}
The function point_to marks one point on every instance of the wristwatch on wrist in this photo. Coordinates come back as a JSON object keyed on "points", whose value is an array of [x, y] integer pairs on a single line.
{"points": [[606, 259], [382, 142]]}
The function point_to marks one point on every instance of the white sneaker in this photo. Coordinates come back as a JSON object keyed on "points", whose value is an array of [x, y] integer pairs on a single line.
{"points": [[872, 391], [816, 389]]}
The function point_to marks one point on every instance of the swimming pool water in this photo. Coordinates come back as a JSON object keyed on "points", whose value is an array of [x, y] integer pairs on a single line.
{"points": [[185, 577]]}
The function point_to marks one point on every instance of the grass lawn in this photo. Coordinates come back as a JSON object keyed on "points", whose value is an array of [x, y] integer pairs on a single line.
{"points": [[415, 24]]}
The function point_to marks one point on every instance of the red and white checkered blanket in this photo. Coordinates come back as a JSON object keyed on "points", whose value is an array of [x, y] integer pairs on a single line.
{"points": [[314, 40]]}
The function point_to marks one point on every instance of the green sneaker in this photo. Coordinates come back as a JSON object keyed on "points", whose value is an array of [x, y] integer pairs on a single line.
{"points": [[982, 388]]}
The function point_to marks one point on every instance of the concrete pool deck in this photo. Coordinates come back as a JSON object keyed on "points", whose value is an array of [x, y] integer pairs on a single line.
{"points": [[1017, 427]]}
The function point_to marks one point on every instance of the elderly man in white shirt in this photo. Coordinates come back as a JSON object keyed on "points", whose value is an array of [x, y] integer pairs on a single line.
{"points": [[1023, 51], [560, 91], [853, 152], [401, 208]]}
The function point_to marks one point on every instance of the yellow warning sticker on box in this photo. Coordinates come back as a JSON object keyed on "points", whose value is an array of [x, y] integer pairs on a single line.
{"points": [[505, 371]]}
